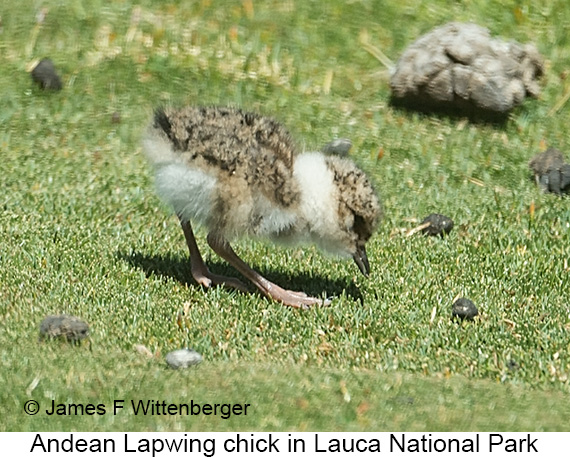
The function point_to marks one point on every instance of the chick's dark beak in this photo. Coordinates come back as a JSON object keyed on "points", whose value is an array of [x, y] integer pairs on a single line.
{"points": [[361, 260]]}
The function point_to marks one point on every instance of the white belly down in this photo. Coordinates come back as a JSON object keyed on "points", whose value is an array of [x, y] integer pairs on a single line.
{"points": [[189, 191]]}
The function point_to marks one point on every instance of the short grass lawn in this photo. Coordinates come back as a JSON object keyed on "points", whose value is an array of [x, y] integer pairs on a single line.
{"points": [[82, 231]]}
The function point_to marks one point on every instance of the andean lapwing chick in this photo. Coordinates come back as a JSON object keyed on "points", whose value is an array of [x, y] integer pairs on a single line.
{"points": [[239, 175]]}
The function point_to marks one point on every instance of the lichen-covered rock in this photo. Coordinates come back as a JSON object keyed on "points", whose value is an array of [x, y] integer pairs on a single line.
{"points": [[64, 326], [459, 66], [550, 171]]}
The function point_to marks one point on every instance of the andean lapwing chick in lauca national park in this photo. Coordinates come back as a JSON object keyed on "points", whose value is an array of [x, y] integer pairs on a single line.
{"points": [[239, 175]]}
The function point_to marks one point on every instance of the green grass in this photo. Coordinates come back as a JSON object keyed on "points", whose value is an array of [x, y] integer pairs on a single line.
{"points": [[295, 398], [82, 232]]}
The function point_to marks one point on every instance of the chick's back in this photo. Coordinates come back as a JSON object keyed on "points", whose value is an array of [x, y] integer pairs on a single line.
{"points": [[231, 159]]}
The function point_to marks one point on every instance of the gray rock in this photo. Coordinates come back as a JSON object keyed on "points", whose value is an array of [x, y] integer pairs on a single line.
{"points": [[64, 326], [183, 358], [459, 66]]}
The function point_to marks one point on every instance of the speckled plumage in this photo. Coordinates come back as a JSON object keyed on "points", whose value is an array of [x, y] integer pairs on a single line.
{"points": [[236, 144], [240, 174]]}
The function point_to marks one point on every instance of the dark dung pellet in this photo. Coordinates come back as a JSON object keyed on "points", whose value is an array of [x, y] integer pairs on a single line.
{"points": [[438, 225], [45, 75], [463, 308]]}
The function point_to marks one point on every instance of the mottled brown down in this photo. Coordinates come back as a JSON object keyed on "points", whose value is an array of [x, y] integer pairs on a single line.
{"points": [[240, 174]]}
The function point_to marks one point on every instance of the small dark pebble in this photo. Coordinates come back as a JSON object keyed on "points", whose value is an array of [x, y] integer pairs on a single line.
{"points": [[438, 225], [45, 76], [64, 326], [183, 358], [463, 308]]}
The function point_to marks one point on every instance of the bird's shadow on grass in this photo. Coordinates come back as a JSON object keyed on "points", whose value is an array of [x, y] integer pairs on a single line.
{"points": [[178, 268]]}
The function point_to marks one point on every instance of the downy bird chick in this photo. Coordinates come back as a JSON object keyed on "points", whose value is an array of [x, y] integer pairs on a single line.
{"points": [[239, 175]]}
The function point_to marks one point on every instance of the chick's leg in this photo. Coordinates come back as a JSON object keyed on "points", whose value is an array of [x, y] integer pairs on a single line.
{"points": [[198, 268], [287, 297]]}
